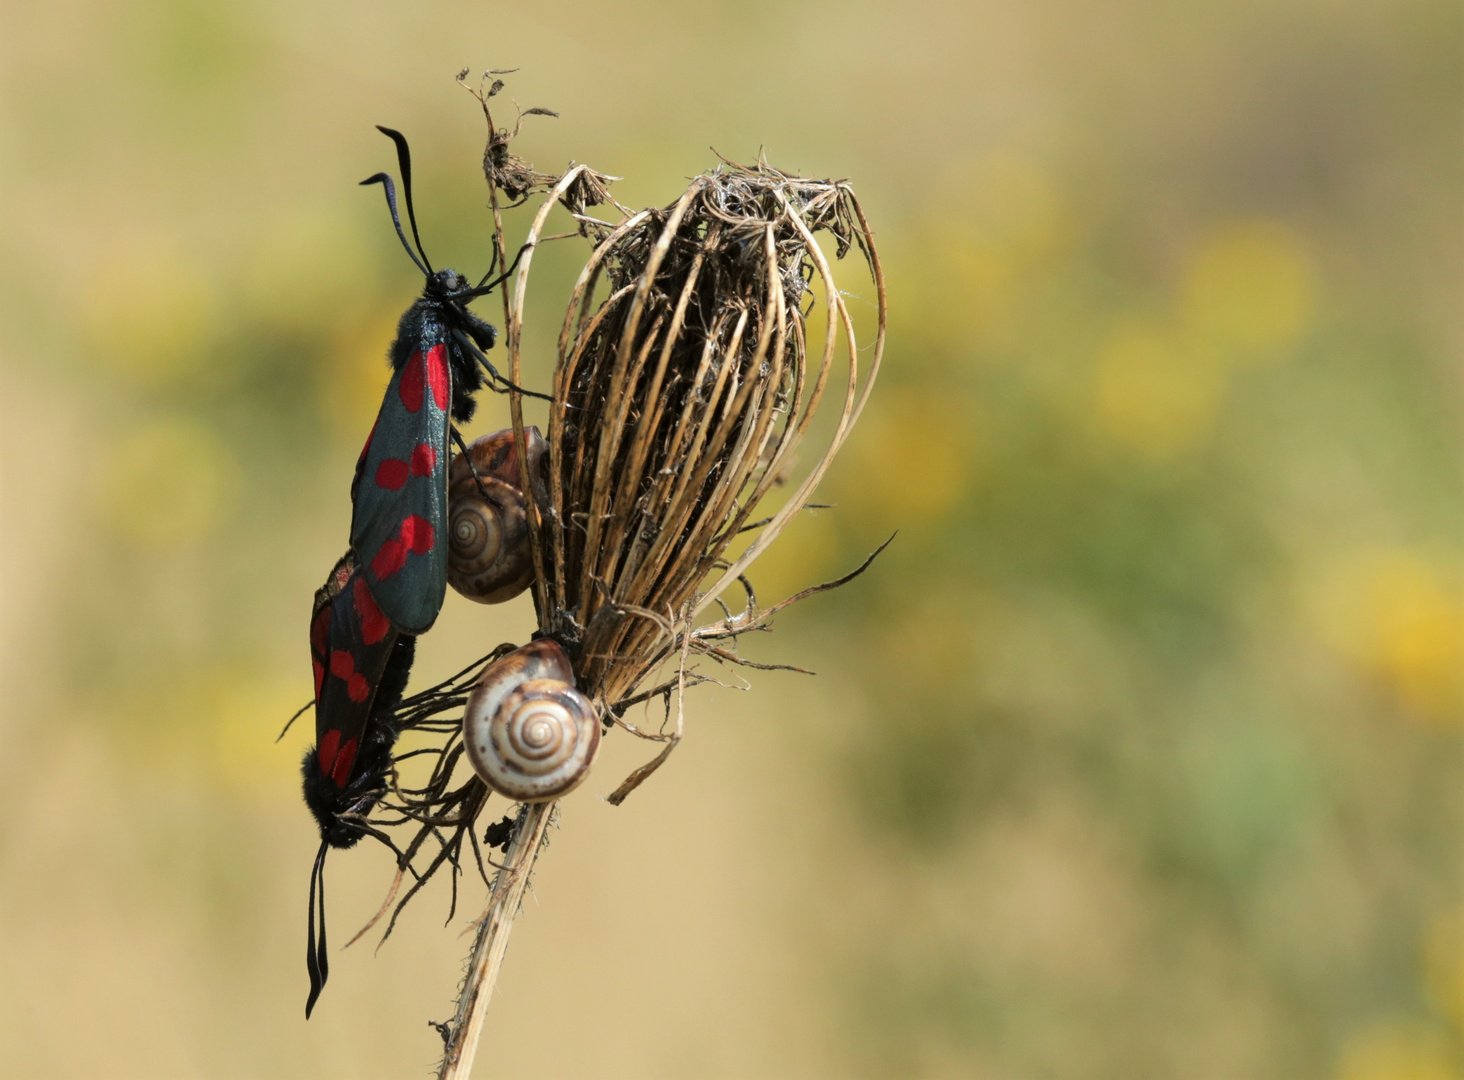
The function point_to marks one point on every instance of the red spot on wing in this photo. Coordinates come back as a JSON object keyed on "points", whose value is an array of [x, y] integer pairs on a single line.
{"points": [[342, 666], [418, 534], [415, 535], [410, 388], [343, 762], [437, 374], [329, 743], [374, 624], [390, 557], [319, 675], [391, 474]]}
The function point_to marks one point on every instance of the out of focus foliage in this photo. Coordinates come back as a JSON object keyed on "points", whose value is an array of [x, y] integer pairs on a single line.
{"points": [[1136, 755], [1161, 684]]}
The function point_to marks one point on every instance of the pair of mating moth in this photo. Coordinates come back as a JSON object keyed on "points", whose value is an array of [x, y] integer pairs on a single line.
{"points": [[421, 519]]}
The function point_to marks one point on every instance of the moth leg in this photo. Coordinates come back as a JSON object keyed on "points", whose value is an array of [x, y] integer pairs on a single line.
{"points": [[484, 334], [299, 712], [463, 447], [493, 375]]}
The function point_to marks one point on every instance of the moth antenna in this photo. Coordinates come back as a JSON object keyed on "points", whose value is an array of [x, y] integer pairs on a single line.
{"points": [[385, 181], [404, 161], [483, 290], [492, 262], [317, 961]]}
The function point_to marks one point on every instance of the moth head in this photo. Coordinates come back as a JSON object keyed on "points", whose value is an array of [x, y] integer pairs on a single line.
{"points": [[446, 282]]}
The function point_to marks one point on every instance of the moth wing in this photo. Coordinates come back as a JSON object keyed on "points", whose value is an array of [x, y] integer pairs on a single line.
{"points": [[320, 614], [361, 467], [359, 642], [399, 517]]}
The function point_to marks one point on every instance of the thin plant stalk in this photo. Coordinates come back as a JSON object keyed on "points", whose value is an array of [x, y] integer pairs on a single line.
{"points": [[505, 901]]}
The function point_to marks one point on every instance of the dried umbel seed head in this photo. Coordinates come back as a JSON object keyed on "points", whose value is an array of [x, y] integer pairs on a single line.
{"points": [[529, 734], [688, 373], [489, 558]]}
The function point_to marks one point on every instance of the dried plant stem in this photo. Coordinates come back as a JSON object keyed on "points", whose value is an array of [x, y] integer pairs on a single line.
{"points": [[491, 942]]}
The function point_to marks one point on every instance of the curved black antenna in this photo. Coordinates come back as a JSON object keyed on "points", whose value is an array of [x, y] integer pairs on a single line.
{"points": [[385, 181], [492, 264], [317, 960], [483, 290], [404, 161]]}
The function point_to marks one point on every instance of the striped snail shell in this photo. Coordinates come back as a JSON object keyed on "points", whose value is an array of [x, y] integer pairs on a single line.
{"points": [[488, 554], [528, 733]]}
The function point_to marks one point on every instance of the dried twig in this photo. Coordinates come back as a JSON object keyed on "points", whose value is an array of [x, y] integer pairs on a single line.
{"points": [[491, 942], [635, 779]]}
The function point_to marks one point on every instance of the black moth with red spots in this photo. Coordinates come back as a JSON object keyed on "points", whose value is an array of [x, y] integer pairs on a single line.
{"points": [[399, 493], [361, 665]]}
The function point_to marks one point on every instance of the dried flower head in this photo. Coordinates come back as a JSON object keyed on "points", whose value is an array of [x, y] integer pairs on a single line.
{"points": [[503, 169]]}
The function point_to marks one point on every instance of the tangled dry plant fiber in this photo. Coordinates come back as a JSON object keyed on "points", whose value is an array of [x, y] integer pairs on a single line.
{"points": [[679, 401]]}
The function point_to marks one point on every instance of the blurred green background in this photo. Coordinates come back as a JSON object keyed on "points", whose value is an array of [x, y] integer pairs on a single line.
{"points": [[1137, 755]]}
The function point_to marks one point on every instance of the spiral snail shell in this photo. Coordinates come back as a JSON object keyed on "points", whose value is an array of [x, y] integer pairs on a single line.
{"points": [[488, 554], [529, 734]]}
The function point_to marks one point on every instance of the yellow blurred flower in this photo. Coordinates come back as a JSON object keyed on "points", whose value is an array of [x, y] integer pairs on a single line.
{"points": [[1401, 614], [930, 642], [912, 454], [1012, 205], [167, 483], [148, 314], [1397, 1051], [1248, 292], [1249, 289], [1421, 636], [907, 464], [1154, 394]]}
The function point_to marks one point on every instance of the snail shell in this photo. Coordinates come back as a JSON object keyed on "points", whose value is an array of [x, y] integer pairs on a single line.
{"points": [[488, 555], [528, 733]]}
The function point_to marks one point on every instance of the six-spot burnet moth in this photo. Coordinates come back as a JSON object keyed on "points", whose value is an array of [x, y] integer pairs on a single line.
{"points": [[398, 527], [391, 585], [361, 663]]}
